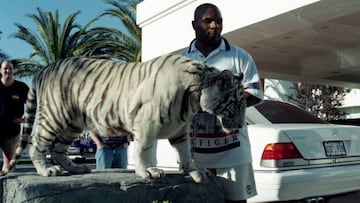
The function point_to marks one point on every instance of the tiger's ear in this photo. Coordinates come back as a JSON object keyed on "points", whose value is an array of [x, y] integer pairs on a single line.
{"points": [[224, 80], [238, 79]]}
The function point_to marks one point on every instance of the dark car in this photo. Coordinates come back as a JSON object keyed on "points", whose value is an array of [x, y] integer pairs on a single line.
{"points": [[80, 150]]}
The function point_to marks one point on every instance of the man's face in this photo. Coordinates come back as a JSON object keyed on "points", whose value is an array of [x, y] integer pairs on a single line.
{"points": [[7, 70], [208, 28]]}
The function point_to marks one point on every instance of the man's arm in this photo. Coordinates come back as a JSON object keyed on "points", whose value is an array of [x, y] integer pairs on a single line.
{"points": [[251, 99]]}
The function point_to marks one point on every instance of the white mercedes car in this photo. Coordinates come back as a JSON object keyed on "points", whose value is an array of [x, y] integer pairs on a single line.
{"points": [[297, 156]]}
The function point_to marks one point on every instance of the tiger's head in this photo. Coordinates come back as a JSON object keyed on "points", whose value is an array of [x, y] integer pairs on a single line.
{"points": [[222, 96]]}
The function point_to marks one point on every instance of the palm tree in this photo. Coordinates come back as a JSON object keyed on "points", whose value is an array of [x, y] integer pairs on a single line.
{"points": [[128, 45], [52, 42], [3, 55]]}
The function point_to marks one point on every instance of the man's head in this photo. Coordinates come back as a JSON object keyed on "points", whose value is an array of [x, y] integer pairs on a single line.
{"points": [[207, 24], [6, 70]]}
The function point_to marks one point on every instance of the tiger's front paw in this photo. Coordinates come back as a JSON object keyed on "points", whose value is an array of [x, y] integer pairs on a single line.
{"points": [[155, 173], [51, 171]]}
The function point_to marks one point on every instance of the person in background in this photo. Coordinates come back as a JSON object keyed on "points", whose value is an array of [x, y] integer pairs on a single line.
{"points": [[111, 152], [226, 155], [13, 94]]}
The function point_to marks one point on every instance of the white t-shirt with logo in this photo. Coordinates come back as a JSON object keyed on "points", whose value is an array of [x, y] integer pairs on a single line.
{"points": [[211, 147]]}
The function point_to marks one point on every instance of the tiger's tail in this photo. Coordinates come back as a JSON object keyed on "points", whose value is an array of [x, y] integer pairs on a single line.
{"points": [[30, 112]]}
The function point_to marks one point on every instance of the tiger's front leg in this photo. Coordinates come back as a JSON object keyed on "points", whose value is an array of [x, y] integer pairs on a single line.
{"points": [[143, 164], [182, 147]]}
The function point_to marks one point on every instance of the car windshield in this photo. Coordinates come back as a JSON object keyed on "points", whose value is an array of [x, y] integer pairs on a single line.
{"points": [[279, 112]]}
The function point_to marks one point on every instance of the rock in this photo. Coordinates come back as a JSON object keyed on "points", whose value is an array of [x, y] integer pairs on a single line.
{"points": [[111, 185]]}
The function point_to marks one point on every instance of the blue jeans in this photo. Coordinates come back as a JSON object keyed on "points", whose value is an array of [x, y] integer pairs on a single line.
{"points": [[107, 157]]}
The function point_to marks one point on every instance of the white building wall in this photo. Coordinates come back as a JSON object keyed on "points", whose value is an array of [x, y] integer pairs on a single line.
{"points": [[278, 89], [351, 104], [166, 25]]}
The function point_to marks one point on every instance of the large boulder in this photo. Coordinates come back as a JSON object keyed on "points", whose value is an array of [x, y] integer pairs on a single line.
{"points": [[111, 185]]}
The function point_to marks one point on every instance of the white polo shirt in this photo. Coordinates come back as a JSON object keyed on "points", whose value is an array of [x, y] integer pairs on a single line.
{"points": [[211, 147]]}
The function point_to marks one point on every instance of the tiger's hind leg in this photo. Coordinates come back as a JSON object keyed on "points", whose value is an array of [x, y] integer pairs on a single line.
{"points": [[60, 155], [59, 152], [182, 147], [41, 141], [37, 152]]}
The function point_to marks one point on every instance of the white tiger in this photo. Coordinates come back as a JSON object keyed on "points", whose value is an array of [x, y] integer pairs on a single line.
{"points": [[152, 100]]}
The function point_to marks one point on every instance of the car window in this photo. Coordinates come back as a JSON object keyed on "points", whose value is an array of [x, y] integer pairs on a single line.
{"points": [[279, 112]]}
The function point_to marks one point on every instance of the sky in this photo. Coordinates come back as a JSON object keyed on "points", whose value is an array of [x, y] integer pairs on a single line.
{"points": [[15, 11]]}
